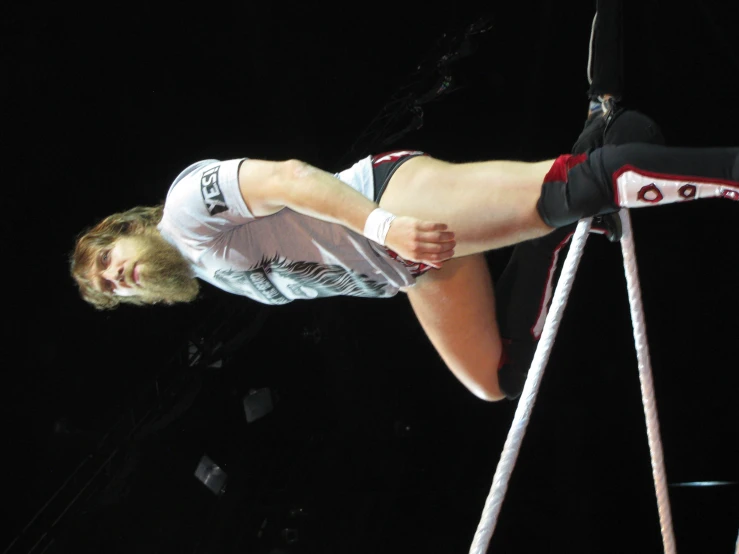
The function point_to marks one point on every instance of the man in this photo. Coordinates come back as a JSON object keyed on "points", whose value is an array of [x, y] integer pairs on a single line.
{"points": [[276, 231]]}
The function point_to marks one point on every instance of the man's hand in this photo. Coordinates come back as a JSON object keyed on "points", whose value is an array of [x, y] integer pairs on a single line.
{"points": [[420, 241]]}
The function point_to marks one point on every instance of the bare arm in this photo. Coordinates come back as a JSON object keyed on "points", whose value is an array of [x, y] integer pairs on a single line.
{"points": [[267, 187]]}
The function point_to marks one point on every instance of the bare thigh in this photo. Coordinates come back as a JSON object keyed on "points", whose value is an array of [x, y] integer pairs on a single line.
{"points": [[456, 308], [488, 205]]}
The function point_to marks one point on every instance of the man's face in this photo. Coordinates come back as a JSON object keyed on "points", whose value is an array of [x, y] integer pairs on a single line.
{"points": [[146, 267]]}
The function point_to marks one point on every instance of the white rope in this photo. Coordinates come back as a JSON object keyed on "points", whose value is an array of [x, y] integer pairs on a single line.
{"points": [[647, 386], [521, 418], [528, 396]]}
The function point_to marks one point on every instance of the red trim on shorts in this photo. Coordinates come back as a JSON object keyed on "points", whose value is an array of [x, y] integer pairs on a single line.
{"points": [[394, 156], [415, 268]]}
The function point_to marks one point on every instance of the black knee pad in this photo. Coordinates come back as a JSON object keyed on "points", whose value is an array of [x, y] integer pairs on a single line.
{"points": [[586, 192], [559, 207]]}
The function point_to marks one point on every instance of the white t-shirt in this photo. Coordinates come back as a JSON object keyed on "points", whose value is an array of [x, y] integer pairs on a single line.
{"points": [[278, 258]]}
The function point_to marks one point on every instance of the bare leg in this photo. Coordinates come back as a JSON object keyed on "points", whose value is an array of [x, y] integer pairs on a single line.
{"points": [[456, 308], [494, 205], [489, 205]]}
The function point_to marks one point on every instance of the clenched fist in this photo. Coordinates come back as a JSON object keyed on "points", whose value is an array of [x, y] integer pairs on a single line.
{"points": [[421, 241]]}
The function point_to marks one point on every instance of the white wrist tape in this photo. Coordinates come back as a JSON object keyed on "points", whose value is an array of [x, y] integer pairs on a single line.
{"points": [[377, 225]]}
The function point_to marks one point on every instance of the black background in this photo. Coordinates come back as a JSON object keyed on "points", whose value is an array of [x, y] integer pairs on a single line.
{"points": [[372, 440]]}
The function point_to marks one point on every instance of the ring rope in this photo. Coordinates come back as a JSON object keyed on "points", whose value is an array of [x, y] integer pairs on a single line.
{"points": [[647, 385], [512, 446], [528, 396]]}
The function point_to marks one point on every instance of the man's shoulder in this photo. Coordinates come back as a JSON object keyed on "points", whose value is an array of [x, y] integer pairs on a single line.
{"points": [[190, 170], [205, 200]]}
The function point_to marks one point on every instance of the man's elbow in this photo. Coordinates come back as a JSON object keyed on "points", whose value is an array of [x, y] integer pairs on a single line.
{"points": [[296, 170], [295, 182]]}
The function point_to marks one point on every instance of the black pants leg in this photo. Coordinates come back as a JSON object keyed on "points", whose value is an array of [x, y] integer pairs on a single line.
{"points": [[605, 66], [637, 175]]}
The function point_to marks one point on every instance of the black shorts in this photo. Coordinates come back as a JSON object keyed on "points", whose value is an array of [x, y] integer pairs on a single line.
{"points": [[383, 168], [385, 165]]}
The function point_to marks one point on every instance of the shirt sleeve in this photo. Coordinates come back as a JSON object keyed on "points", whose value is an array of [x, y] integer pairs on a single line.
{"points": [[205, 199]]}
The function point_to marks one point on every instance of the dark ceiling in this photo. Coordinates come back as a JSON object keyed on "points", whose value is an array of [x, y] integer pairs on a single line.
{"points": [[372, 445]]}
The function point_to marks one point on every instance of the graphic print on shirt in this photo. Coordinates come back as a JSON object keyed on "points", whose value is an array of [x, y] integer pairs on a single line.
{"points": [[304, 279], [211, 190]]}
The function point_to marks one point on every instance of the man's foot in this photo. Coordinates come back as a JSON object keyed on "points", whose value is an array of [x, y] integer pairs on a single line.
{"points": [[608, 225]]}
